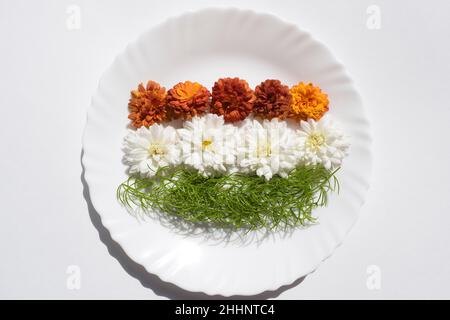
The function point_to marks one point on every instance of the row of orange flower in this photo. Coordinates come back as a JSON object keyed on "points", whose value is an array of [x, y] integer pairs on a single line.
{"points": [[230, 97]]}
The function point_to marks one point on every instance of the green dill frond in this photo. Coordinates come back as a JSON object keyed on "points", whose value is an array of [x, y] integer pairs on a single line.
{"points": [[236, 200]]}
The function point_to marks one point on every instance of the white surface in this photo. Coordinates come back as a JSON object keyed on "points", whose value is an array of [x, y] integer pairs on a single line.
{"points": [[181, 48], [49, 74]]}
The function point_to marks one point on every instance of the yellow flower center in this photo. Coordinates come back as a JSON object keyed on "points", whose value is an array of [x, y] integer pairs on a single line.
{"points": [[206, 143], [315, 140], [156, 149], [264, 150]]}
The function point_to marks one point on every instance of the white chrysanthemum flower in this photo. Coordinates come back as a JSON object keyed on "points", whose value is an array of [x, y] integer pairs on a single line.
{"points": [[267, 148], [321, 143], [208, 144], [148, 149]]}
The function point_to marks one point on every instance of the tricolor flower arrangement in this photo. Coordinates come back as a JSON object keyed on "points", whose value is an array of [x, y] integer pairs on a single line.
{"points": [[232, 156]]}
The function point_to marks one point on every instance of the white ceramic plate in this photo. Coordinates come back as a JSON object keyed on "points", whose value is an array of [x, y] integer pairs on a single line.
{"points": [[204, 46]]}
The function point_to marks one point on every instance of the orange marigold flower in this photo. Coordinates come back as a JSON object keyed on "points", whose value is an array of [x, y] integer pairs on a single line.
{"points": [[147, 105], [308, 102], [272, 100], [232, 98], [188, 99]]}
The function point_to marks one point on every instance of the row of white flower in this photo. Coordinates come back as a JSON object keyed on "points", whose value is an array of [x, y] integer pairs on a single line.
{"points": [[212, 147]]}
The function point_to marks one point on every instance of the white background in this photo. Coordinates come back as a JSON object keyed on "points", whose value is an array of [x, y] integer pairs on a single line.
{"points": [[48, 74]]}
